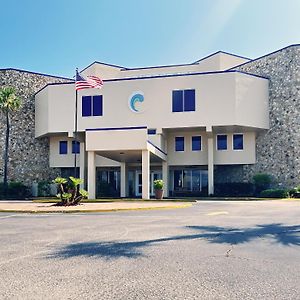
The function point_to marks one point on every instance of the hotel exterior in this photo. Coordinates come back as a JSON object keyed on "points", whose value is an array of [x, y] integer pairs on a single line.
{"points": [[220, 119]]}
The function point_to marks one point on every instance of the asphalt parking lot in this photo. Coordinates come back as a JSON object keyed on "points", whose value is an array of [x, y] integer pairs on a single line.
{"points": [[212, 250]]}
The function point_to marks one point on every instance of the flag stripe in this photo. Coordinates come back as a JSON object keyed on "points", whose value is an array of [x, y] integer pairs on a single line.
{"points": [[90, 82]]}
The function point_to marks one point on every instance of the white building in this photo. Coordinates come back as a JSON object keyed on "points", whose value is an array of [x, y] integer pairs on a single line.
{"points": [[172, 122]]}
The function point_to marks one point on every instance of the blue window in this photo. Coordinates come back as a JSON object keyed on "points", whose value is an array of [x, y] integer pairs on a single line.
{"points": [[183, 100], [238, 142], [221, 142], [196, 143], [86, 106], [92, 106], [179, 143], [63, 147], [189, 100], [151, 131], [177, 101], [75, 147]]}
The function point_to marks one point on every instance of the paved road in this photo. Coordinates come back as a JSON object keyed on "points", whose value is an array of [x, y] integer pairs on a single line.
{"points": [[214, 250]]}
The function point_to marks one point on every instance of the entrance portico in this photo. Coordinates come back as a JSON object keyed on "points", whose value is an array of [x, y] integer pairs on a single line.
{"points": [[125, 145]]}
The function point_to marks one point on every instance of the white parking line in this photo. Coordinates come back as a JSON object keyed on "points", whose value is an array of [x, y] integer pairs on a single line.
{"points": [[10, 216]]}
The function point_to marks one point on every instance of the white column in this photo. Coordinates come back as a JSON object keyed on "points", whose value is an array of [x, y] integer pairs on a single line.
{"points": [[165, 177], [91, 175], [210, 151], [123, 192], [82, 164], [145, 174]]}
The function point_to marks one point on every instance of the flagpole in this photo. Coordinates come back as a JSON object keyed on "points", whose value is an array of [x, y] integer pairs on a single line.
{"points": [[75, 132]]}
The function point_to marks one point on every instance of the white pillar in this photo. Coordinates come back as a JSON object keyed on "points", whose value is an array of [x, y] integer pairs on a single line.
{"points": [[145, 174], [123, 192], [82, 164], [210, 151], [91, 175], [165, 177]]}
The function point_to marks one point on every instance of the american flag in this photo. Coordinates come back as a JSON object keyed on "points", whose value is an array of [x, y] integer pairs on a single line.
{"points": [[90, 82]]}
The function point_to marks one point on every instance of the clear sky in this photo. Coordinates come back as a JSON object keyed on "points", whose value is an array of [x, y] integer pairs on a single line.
{"points": [[56, 36]]}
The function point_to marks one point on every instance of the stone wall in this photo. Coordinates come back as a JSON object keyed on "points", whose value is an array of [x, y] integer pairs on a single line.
{"points": [[28, 157], [278, 149]]}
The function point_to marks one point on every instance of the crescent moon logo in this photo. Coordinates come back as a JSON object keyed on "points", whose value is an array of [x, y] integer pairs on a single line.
{"points": [[135, 100]]}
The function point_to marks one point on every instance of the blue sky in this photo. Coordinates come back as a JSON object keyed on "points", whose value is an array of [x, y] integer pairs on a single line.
{"points": [[57, 36]]}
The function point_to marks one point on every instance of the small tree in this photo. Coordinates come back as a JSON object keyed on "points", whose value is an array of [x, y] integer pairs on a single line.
{"points": [[9, 103], [69, 191]]}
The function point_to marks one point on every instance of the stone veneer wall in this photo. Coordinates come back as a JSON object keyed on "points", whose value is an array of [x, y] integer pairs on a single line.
{"points": [[28, 157], [278, 149]]}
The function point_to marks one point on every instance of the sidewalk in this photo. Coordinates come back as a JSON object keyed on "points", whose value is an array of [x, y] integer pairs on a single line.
{"points": [[31, 207]]}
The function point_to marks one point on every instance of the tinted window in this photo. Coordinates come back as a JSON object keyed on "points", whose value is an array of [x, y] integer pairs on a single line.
{"points": [[63, 147], [179, 143], [97, 105], [238, 142], [189, 100], [196, 143], [177, 101], [75, 147], [151, 131], [222, 142], [86, 106]]}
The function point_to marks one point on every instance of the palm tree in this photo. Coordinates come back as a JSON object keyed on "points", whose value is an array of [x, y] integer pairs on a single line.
{"points": [[9, 103]]}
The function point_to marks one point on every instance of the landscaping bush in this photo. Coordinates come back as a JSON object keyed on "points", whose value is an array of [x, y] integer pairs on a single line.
{"points": [[261, 182], [234, 189], [295, 192], [15, 190], [43, 189], [274, 193]]}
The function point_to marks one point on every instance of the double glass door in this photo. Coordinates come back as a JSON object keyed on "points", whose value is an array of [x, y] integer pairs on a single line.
{"points": [[153, 176]]}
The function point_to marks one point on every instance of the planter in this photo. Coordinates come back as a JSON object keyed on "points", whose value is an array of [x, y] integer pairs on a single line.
{"points": [[159, 194]]}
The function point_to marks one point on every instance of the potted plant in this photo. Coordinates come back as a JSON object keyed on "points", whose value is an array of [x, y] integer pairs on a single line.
{"points": [[158, 188]]}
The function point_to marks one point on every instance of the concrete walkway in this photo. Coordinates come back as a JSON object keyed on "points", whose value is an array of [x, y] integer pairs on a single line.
{"points": [[31, 207]]}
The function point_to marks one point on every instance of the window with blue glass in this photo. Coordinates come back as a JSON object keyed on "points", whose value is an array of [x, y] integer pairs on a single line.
{"points": [[63, 147], [238, 142], [151, 131], [92, 106], [221, 142], [75, 147], [183, 100], [179, 143], [196, 143]]}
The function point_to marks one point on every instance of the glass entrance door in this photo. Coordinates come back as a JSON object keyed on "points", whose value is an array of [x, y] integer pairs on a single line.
{"points": [[154, 175]]}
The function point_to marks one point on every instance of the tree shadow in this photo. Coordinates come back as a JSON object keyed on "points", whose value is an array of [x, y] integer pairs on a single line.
{"points": [[287, 235]]}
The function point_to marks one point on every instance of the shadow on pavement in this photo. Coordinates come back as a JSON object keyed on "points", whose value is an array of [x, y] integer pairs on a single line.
{"points": [[282, 234]]}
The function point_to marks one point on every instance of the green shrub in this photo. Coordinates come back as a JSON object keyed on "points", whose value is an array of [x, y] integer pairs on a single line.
{"points": [[234, 189], [15, 190], [295, 192], [261, 182], [43, 189], [274, 193]]}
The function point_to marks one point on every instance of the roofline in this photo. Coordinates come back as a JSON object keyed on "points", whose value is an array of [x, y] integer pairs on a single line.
{"points": [[224, 52], [157, 67], [31, 72], [185, 74], [260, 57], [102, 63], [163, 76], [53, 83]]}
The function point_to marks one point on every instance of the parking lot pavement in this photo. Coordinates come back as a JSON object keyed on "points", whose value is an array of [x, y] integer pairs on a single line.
{"points": [[212, 250]]}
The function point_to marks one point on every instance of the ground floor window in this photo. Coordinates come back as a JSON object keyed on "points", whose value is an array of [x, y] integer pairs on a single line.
{"points": [[108, 183], [188, 181]]}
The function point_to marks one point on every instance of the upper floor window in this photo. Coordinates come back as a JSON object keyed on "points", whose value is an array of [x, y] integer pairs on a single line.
{"points": [[151, 131], [238, 141], [92, 106], [179, 143], [63, 147], [183, 100], [196, 143], [75, 147], [221, 142]]}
